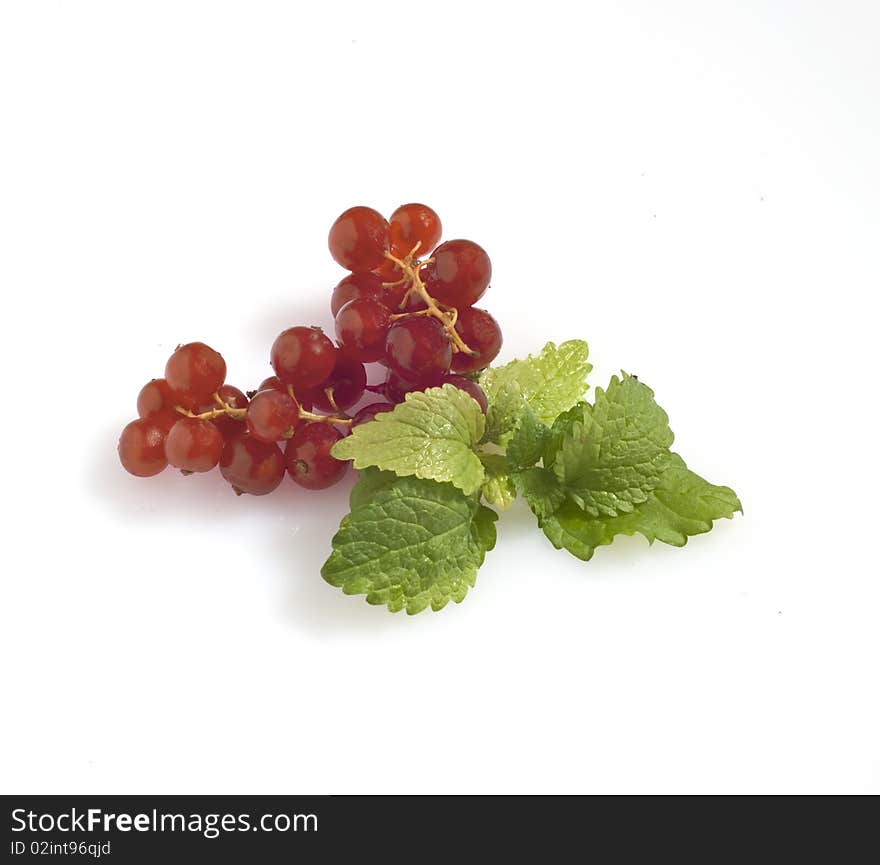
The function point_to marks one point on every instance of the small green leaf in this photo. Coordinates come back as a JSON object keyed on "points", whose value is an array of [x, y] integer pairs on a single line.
{"points": [[573, 529], [483, 529], [431, 435], [541, 489], [610, 460], [498, 488], [561, 429], [369, 484], [505, 407], [550, 383], [526, 445], [409, 543], [681, 505]]}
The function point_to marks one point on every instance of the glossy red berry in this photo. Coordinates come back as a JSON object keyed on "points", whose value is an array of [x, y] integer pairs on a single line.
{"points": [[359, 239], [459, 273], [272, 415], [193, 445], [368, 412], [234, 398], [395, 387], [252, 466], [155, 396], [303, 356], [347, 382], [354, 286], [272, 383], [195, 371], [308, 458], [411, 224], [417, 348], [388, 271], [362, 327], [469, 386], [480, 332], [142, 447], [165, 419]]}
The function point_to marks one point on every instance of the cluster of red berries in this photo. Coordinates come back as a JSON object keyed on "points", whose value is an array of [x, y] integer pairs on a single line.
{"points": [[413, 315]]}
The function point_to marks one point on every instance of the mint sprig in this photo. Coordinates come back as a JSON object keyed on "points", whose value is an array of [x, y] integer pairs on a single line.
{"points": [[418, 532]]}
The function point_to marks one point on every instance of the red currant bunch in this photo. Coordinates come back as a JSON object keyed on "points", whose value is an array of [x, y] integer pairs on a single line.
{"points": [[407, 304]]}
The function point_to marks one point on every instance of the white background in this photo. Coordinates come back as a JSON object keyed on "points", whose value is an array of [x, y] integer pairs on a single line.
{"points": [[691, 187]]}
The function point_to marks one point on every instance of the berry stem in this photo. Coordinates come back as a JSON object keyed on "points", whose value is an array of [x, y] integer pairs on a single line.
{"points": [[319, 418], [411, 267], [328, 392], [223, 410]]}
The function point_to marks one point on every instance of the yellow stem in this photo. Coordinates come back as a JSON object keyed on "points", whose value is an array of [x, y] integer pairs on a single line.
{"points": [[447, 319], [319, 418], [328, 392], [223, 410]]}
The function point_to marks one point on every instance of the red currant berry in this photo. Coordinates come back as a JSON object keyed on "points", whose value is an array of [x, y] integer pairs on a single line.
{"points": [[411, 224], [479, 331], [234, 398], [272, 383], [388, 271], [396, 388], [272, 416], [469, 386], [155, 396], [354, 286], [193, 445], [459, 273], [418, 348], [303, 356], [142, 447], [347, 383], [362, 327], [359, 238], [368, 412], [308, 457], [165, 419], [195, 371], [252, 466]]}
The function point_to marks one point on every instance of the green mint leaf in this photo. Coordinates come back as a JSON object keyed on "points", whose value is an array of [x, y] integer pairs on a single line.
{"points": [[505, 408], [483, 531], [681, 505], [541, 489], [611, 459], [526, 445], [684, 504], [550, 383], [498, 488], [561, 429], [573, 529], [431, 435], [369, 484], [409, 543]]}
